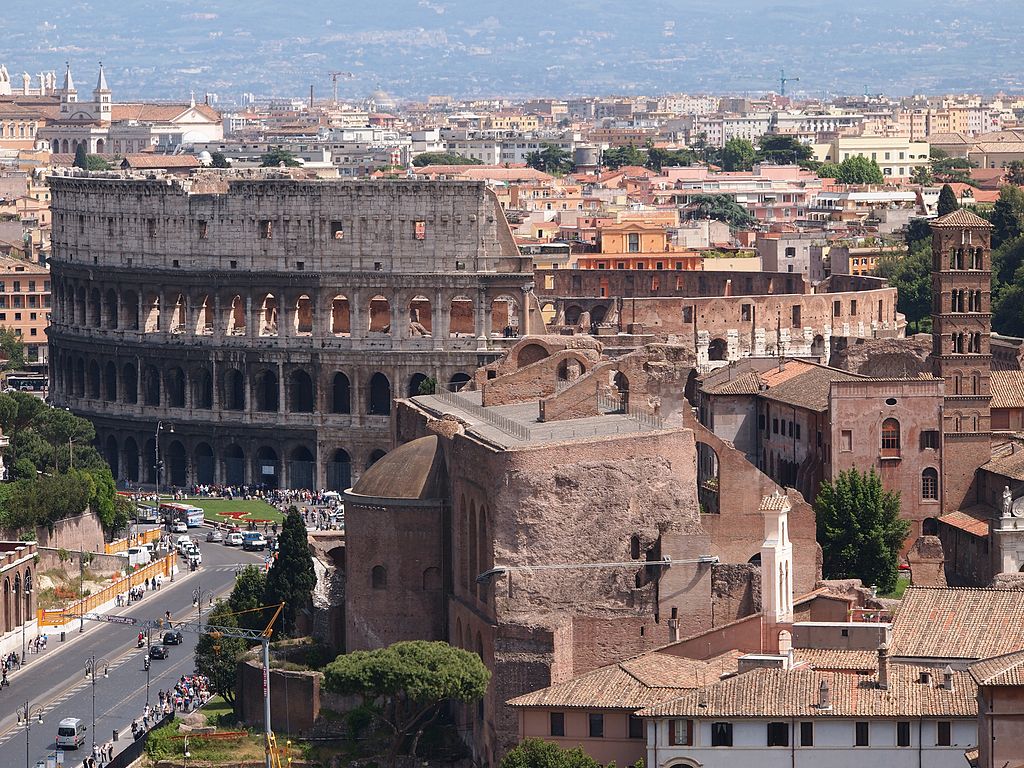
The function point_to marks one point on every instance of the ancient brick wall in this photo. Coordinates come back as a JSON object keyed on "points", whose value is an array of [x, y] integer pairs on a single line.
{"points": [[294, 698], [72, 533]]}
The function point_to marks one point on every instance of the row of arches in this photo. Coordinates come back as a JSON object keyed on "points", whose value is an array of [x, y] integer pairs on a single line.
{"points": [[135, 460], [474, 546], [268, 389], [965, 343], [965, 301], [966, 258], [268, 314], [17, 599]]}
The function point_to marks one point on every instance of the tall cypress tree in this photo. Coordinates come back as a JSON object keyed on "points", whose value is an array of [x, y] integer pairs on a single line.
{"points": [[81, 157], [947, 200], [291, 578]]}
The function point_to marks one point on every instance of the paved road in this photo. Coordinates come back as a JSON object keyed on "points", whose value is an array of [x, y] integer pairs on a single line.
{"points": [[55, 679]]}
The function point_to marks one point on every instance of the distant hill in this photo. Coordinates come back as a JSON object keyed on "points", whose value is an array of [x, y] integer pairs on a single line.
{"points": [[412, 48]]}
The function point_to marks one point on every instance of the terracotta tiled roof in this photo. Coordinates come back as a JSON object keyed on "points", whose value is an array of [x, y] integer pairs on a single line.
{"points": [[150, 160], [958, 623], [1007, 389], [642, 681], [158, 113], [975, 526], [1009, 464], [748, 383], [836, 660], [774, 503], [810, 389], [1007, 669], [794, 693], [485, 172], [961, 218]]}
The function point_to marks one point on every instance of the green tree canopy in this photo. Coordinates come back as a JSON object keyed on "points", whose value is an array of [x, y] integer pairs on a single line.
{"points": [[407, 683], [97, 163], [738, 155], [947, 201], [1015, 173], [219, 160], [1007, 218], [278, 155], [218, 656], [859, 170], [828, 170], [720, 207], [443, 158], [860, 529], [247, 596], [910, 275], [669, 158], [782, 149], [617, 157], [946, 169], [291, 578], [551, 159], [922, 175], [537, 753], [12, 349], [81, 157]]}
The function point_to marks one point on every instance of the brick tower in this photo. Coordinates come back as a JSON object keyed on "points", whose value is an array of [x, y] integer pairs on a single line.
{"points": [[961, 324]]}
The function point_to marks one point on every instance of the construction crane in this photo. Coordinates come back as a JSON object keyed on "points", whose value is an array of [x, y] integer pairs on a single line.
{"points": [[197, 627], [334, 81], [783, 80]]}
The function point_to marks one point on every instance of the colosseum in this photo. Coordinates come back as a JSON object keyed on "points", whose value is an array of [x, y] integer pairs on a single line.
{"points": [[254, 328]]}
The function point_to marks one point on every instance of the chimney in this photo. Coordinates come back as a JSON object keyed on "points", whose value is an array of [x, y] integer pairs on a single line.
{"points": [[883, 666], [824, 695], [947, 678], [926, 676]]}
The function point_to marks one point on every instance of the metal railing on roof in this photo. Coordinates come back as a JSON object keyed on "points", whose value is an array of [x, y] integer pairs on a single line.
{"points": [[621, 405], [503, 423]]}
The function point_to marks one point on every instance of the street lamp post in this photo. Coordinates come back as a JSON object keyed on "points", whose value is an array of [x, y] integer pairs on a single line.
{"points": [[25, 714], [197, 603], [148, 662], [23, 591], [91, 665], [160, 427]]}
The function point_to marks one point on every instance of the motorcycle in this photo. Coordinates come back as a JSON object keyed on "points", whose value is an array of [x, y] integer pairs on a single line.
{"points": [[145, 664], [142, 641]]}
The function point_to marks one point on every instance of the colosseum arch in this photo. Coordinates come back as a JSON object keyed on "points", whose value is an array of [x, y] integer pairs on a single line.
{"points": [[415, 382], [375, 456], [505, 316], [152, 309], [265, 391], [379, 315], [341, 319], [93, 382], [175, 464], [301, 393], [236, 317], [151, 385], [111, 309], [204, 316], [110, 382], [69, 304], [201, 384], [80, 377], [82, 306], [175, 387], [717, 349], [267, 467], [304, 316], [203, 462], [339, 471], [179, 315], [529, 354], [111, 453], [341, 394], [130, 383], [130, 466], [234, 390], [379, 402], [268, 315], [301, 468], [130, 310], [421, 321], [149, 461], [234, 465], [462, 318], [458, 382], [95, 318], [69, 374], [572, 314]]}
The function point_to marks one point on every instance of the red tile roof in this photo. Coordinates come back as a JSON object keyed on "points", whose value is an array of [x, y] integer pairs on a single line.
{"points": [[1005, 670], [1007, 389], [975, 526], [961, 218]]}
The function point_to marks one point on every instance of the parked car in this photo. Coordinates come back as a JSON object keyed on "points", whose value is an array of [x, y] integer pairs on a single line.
{"points": [[158, 652], [179, 526], [215, 536], [195, 557], [70, 733], [233, 539], [183, 543], [254, 541], [173, 638]]}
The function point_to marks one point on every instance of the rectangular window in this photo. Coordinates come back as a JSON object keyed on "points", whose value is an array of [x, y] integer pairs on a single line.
{"points": [[797, 427], [32, 332], [31, 286], [151, 226], [596, 725], [337, 231], [17, 286], [790, 252], [633, 242], [861, 734], [853, 306], [760, 422], [775, 426], [778, 734], [806, 734], [929, 439], [636, 727], [420, 230], [903, 733], [745, 312], [266, 229], [680, 733], [721, 734], [837, 308], [796, 316], [846, 440], [17, 302], [687, 314], [943, 733], [557, 723], [204, 230], [620, 265]]}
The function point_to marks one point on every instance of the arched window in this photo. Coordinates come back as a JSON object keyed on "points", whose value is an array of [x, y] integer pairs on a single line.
{"points": [[379, 577], [340, 394], [930, 484], [890, 437]]}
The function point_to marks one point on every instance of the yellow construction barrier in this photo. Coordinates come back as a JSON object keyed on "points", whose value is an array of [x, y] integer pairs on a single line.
{"points": [[57, 616], [121, 545]]}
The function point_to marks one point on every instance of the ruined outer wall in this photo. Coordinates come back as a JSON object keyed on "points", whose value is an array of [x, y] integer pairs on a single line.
{"points": [[72, 533]]}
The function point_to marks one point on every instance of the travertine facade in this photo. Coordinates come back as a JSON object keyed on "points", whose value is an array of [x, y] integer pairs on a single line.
{"points": [[272, 319]]}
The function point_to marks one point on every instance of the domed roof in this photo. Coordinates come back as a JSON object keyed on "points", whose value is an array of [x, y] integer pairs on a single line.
{"points": [[414, 470]]}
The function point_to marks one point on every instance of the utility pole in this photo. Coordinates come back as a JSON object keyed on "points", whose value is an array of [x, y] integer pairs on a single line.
{"points": [[25, 715], [783, 80]]}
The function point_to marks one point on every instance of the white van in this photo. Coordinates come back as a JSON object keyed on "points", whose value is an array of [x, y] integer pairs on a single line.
{"points": [[139, 556], [70, 733]]}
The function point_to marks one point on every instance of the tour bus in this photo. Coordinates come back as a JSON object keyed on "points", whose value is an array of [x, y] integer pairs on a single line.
{"points": [[193, 517], [28, 382]]}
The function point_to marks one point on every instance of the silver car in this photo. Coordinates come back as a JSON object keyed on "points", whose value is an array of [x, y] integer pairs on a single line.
{"points": [[215, 536]]}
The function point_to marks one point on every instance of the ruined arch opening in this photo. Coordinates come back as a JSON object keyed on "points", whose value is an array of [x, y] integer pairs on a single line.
{"points": [[379, 315], [301, 397], [380, 395], [620, 385], [341, 319], [202, 460], [175, 387], [818, 346], [179, 315], [266, 391], [341, 394], [267, 470], [304, 316], [416, 382], [204, 317], [339, 471], [234, 465], [717, 349], [149, 461], [152, 313], [572, 314], [236, 316], [95, 312], [131, 460], [234, 390], [529, 354], [80, 377], [421, 319], [461, 318], [202, 389], [151, 386], [110, 383], [111, 452], [930, 527], [301, 468], [707, 479], [505, 316], [94, 380], [177, 465], [111, 310], [130, 310], [458, 382], [130, 383], [268, 315]]}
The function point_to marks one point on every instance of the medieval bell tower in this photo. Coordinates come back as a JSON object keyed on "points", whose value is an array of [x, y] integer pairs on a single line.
{"points": [[961, 325]]}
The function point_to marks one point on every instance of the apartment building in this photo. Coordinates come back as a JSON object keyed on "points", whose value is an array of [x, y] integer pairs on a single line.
{"points": [[25, 305], [897, 156]]}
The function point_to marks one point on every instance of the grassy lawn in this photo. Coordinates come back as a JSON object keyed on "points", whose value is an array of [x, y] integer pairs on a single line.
{"points": [[901, 586], [221, 509], [217, 711], [162, 744]]}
